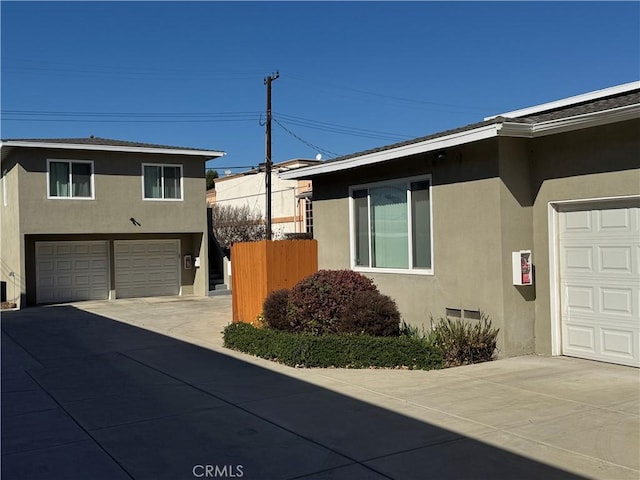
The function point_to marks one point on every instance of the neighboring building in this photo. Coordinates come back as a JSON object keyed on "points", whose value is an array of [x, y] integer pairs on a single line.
{"points": [[435, 222], [291, 207], [92, 218]]}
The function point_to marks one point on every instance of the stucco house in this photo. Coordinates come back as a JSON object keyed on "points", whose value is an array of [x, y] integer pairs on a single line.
{"points": [[291, 208], [531, 216], [93, 218]]}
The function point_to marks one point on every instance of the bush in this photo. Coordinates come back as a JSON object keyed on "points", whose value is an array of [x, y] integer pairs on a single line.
{"points": [[318, 302], [371, 313], [275, 309], [462, 343], [343, 351]]}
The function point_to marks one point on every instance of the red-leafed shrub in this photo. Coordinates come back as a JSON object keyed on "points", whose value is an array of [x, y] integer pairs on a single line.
{"points": [[275, 309], [371, 313], [319, 302]]}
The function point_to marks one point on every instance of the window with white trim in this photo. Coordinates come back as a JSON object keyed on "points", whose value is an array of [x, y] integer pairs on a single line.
{"points": [[161, 182], [391, 226], [70, 179]]}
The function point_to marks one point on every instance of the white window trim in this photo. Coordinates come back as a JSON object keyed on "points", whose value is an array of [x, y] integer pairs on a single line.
{"points": [[70, 197], [352, 241], [162, 183]]}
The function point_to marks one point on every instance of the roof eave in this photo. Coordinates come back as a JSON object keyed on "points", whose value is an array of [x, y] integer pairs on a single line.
{"points": [[433, 144], [585, 97], [503, 129], [211, 154]]}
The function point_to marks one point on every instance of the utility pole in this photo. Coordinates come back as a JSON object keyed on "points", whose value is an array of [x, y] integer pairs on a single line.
{"points": [[269, 163]]}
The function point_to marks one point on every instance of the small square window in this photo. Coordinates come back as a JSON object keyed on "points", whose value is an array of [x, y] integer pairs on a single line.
{"points": [[162, 182], [70, 179]]}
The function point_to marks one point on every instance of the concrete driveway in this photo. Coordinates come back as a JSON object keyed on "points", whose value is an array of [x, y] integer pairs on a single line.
{"points": [[90, 391]]}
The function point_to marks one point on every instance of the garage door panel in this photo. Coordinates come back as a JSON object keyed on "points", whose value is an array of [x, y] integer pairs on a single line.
{"points": [[617, 343], [147, 268], [71, 271], [574, 222], [600, 284], [581, 338]]}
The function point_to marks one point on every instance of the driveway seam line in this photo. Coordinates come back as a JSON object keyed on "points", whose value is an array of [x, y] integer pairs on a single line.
{"points": [[81, 427], [271, 422], [493, 428]]}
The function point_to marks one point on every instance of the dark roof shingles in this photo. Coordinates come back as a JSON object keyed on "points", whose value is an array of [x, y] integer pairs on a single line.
{"points": [[99, 141]]}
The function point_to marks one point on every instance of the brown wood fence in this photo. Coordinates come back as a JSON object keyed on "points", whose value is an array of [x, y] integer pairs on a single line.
{"points": [[259, 268]]}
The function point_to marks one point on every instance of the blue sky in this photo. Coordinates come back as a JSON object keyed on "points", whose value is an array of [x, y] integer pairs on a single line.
{"points": [[353, 76]]}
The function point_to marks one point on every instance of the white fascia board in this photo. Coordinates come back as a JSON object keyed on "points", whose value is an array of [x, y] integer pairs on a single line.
{"points": [[585, 97], [587, 120], [439, 143], [114, 148]]}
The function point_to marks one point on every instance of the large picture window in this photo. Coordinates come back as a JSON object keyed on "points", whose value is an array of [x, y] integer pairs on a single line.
{"points": [[391, 226], [162, 182], [70, 179]]}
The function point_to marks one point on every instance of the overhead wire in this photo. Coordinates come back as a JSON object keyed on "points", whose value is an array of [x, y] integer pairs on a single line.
{"points": [[309, 144]]}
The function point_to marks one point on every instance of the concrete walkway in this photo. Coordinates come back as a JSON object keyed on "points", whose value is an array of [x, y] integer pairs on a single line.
{"points": [[143, 389]]}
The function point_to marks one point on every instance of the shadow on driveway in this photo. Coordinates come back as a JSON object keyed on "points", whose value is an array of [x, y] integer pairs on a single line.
{"points": [[84, 396]]}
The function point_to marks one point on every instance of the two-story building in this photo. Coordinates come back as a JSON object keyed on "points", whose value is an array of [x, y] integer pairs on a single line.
{"points": [[93, 218], [291, 206]]}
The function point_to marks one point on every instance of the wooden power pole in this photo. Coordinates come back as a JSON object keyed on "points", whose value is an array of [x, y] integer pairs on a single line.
{"points": [[269, 163]]}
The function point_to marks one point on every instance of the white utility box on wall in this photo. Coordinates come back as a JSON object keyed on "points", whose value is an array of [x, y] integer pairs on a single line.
{"points": [[522, 267]]}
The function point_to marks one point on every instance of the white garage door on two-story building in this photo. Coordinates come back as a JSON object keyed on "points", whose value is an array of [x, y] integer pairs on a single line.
{"points": [[80, 270], [599, 249]]}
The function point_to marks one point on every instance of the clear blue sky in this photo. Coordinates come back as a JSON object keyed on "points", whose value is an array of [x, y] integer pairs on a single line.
{"points": [[353, 76]]}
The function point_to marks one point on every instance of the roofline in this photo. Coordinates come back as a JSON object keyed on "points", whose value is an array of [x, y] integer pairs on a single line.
{"points": [[584, 97], [438, 143], [502, 128], [112, 148]]}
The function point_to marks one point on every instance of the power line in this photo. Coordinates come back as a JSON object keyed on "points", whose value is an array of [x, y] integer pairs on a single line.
{"points": [[391, 97], [342, 129], [309, 144]]}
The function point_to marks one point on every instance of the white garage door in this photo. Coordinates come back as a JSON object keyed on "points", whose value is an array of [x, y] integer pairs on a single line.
{"points": [[71, 271], [600, 284], [147, 268]]}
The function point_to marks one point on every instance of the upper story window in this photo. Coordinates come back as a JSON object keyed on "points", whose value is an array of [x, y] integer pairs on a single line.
{"points": [[162, 182], [70, 179], [391, 226]]}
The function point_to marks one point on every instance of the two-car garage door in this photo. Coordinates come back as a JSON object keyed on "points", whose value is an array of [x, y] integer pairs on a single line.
{"points": [[79, 270], [600, 283]]}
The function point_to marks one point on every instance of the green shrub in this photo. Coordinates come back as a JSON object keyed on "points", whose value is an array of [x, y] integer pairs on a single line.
{"points": [[318, 302], [463, 343], [411, 331], [371, 313], [344, 351], [275, 309]]}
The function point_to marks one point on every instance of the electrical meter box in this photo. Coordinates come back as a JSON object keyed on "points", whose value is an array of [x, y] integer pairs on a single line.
{"points": [[522, 267]]}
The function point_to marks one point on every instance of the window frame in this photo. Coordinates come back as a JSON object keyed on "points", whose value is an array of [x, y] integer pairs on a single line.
{"points": [[162, 177], [411, 270], [70, 163]]}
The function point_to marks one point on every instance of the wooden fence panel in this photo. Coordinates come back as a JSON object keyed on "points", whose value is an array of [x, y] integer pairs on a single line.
{"points": [[259, 268]]}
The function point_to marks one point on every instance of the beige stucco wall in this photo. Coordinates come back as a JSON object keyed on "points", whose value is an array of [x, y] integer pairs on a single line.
{"points": [[489, 199], [471, 257], [595, 163], [516, 233], [118, 197], [10, 245]]}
